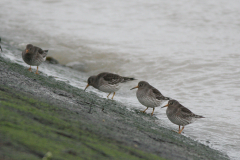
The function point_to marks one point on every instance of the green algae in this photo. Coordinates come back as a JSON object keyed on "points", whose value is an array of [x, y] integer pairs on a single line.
{"points": [[30, 128]]}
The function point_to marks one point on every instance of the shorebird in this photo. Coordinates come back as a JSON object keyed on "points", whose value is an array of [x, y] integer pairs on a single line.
{"points": [[180, 115], [107, 82], [34, 56], [149, 96]]}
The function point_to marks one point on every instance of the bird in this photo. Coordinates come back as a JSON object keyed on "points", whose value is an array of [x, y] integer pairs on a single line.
{"points": [[107, 82], [149, 96], [180, 115], [34, 56]]}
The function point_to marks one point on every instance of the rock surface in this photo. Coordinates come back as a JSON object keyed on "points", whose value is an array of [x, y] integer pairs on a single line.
{"points": [[39, 114]]}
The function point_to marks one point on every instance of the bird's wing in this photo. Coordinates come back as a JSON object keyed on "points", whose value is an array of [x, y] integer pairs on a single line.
{"points": [[42, 52], [158, 94], [111, 78], [185, 111]]}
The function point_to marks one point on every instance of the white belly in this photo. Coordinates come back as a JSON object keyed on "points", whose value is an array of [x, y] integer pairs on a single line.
{"points": [[109, 88], [149, 101]]}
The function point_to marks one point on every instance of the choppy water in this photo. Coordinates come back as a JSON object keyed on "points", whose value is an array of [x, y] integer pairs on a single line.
{"points": [[189, 50]]}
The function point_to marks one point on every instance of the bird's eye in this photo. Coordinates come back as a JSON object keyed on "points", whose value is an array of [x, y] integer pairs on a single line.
{"points": [[140, 85], [171, 103]]}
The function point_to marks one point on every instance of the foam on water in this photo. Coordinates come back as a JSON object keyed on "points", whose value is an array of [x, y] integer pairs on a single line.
{"points": [[189, 50]]}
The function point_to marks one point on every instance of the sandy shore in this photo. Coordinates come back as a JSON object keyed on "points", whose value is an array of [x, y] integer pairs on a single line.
{"points": [[39, 114]]}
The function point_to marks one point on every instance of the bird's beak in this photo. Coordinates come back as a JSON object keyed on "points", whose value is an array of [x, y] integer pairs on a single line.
{"points": [[165, 106], [134, 88], [86, 87], [27, 51]]}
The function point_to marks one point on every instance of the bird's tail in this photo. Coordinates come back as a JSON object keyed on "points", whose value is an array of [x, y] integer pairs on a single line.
{"points": [[167, 98], [128, 79], [198, 116]]}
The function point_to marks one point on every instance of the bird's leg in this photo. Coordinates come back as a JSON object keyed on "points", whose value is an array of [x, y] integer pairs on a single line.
{"points": [[144, 110], [180, 131], [108, 94], [30, 69], [113, 95], [37, 70], [152, 111]]}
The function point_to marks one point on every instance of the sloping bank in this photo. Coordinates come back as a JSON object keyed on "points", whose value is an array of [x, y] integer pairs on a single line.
{"points": [[39, 114]]}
